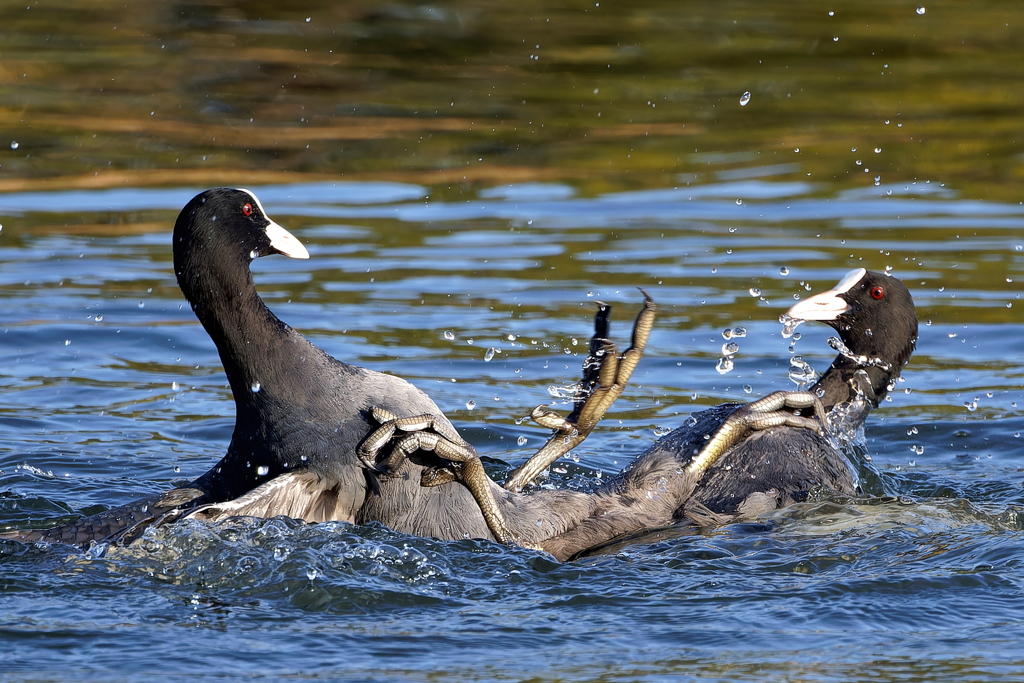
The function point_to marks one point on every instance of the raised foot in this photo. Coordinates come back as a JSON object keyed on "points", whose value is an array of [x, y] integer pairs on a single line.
{"points": [[605, 374], [465, 465], [782, 408]]}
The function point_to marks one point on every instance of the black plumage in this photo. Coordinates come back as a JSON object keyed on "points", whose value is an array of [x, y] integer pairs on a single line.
{"points": [[301, 414]]}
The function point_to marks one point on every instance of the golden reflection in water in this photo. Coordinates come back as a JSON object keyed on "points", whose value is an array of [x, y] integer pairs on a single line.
{"points": [[605, 96]]}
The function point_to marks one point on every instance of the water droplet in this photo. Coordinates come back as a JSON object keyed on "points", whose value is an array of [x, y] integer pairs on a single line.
{"points": [[745, 99], [14, 144], [312, 573], [789, 325], [730, 348], [469, 341], [783, 270], [67, 342], [175, 386], [255, 386], [835, 39], [739, 202], [521, 441], [255, 253], [262, 470], [99, 318], [878, 150], [470, 405], [142, 304], [489, 354], [801, 373], [449, 335], [921, 10], [754, 291], [725, 364], [747, 389]]}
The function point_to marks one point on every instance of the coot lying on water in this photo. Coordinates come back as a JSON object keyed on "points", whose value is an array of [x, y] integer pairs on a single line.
{"points": [[773, 461], [300, 446]]}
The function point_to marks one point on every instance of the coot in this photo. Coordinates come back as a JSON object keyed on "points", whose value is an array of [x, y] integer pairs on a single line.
{"points": [[300, 445], [773, 460], [300, 414]]}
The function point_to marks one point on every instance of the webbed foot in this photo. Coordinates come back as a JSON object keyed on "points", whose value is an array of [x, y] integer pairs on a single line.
{"points": [[605, 374], [781, 408], [443, 440], [465, 465]]}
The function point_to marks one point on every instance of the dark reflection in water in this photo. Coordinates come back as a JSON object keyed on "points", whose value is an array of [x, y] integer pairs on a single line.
{"points": [[449, 175]]}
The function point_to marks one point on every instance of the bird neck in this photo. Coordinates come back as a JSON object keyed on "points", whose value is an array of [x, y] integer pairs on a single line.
{"points": [[263, 358], [846, 381]]}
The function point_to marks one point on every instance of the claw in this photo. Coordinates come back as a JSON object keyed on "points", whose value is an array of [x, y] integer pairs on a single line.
{"points": [[605, 374], [773, 410], [464, 466], [550, 419]]}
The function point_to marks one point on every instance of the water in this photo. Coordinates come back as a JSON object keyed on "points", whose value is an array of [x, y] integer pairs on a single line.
{"points": [[426, 260]]}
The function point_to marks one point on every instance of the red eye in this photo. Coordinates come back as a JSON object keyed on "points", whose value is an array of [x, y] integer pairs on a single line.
{"points": [[877, 292], [247, 210]]}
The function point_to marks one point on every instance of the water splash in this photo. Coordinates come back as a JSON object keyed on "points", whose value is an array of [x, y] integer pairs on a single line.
{"points": [[789, 325], [801, 373], [862, 361]]}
